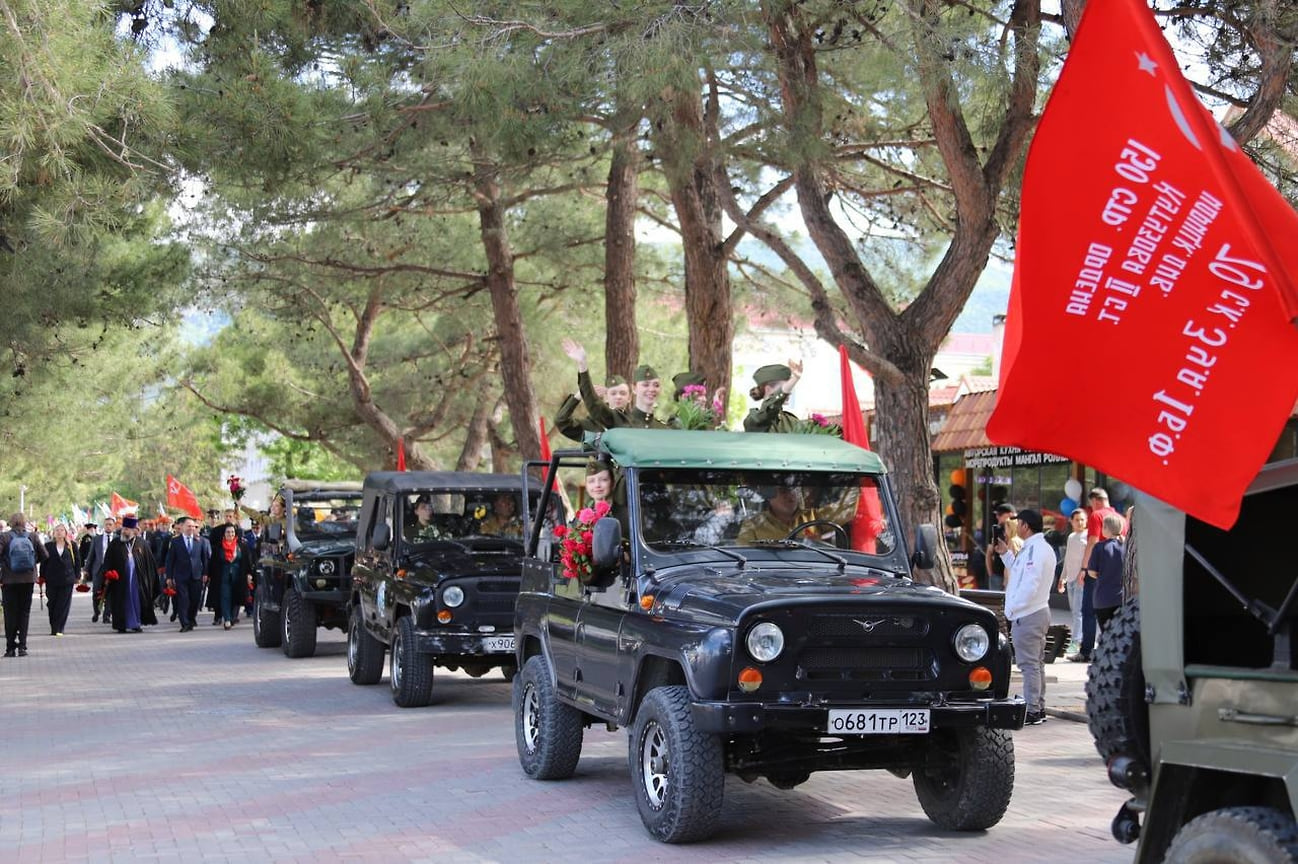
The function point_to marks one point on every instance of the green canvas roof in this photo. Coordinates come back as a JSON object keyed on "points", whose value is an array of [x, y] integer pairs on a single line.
{"points": [[662, 448]]}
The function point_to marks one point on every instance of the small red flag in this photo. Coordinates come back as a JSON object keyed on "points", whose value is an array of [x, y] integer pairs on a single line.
{"points": [[869, 512], [1149, 251], [401, 454], [182, 498], [119, 505], [545, 441]]}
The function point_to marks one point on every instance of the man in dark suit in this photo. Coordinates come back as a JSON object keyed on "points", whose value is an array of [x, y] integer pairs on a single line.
{"points": [[186, 570], [95, 566]]}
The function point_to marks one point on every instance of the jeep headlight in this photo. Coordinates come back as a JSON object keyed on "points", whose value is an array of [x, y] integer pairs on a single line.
{"points": [[453, 596], [765, 642], [971, 642], [326, 567]]}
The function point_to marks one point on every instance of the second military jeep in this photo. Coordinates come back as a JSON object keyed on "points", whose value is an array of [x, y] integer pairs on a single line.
{"points": [[1193, 695], [749, 609], [304, 576], [438, 560]]}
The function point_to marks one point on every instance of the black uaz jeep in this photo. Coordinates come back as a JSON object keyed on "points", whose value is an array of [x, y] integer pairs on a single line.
{"points": [[436, 573], [304, 576], [739, 616]]}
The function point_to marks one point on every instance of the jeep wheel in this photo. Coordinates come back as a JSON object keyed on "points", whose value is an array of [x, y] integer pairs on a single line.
{"points": [[265, 623], [1115, 690], [364, 652], [676, 770], [1248, 835], [409, 672], [298, 619], [966, 779], [1056, 642], [547, 732]]}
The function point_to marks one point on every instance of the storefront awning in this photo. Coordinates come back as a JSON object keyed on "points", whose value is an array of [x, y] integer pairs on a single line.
{"points": [[966, 423]]}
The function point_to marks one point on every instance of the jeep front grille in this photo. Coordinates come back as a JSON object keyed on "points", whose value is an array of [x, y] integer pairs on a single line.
{"points": [[866, 663]]}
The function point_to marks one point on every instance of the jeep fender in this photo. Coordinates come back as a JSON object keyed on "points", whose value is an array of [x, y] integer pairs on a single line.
{"points": [[702, 665]]}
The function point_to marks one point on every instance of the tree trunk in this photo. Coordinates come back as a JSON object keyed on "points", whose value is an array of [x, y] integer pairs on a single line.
{"points": [[475, 437], [692, 176], [621, 337], [515, 358]]}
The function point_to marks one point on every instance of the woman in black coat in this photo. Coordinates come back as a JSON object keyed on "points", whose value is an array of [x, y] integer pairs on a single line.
{"points": [[228, 573], [59, 571]]}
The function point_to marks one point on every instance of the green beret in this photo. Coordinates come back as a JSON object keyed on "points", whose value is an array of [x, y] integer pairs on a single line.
{"points": [[594, 466], [614, 381], [644, 372], [772, 373]]}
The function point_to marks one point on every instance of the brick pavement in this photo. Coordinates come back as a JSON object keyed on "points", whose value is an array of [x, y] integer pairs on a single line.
{"points": [[203, 748]]}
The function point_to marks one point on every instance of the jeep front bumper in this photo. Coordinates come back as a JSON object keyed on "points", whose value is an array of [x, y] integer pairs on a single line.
{"points": [[749, 717], [460, 643]]}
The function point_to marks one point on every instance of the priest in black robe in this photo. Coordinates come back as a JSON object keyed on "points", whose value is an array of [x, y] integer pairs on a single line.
{"points": [[130, 596]]}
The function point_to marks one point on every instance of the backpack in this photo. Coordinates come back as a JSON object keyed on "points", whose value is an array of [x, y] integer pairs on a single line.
{"points": [[22, 555]]}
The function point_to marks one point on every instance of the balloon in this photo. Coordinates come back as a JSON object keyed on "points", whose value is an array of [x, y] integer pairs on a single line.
{"points": [[955, 491], [950, 510], [957, 477], [958, 508], [1073, 489], [1067, 506], [953, 521]]}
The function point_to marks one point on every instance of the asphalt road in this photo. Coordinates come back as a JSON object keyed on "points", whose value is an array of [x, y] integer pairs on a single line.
{"points": [[195, 747]]}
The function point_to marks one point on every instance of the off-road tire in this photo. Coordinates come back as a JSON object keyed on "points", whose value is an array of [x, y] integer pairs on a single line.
{"points": [[265, 623], [1116, 712], [677, 772], [364, 652], [409, 672], [967, 778], [548, 732], [1056, 642], [1241, 835], [298, 624]]}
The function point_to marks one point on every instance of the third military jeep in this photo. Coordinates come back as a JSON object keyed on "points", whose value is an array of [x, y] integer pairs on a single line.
{"points": [[730, 639], [1193, 695], [304, 575]]}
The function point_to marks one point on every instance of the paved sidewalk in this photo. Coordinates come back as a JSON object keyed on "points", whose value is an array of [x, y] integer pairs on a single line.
{"points": [[200, 747]]}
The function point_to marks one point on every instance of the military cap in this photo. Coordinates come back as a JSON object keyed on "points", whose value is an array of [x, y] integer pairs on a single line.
{"points": [[681, 380], [614, 381], [772, 373], [644, 372]]}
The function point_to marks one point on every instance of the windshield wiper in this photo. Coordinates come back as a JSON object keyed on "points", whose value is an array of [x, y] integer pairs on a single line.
{"points": [[798, 544], [690, 544]]}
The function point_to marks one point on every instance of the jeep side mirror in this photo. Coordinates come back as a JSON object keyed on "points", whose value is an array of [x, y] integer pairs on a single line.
{"points": [[925, 557], [382, 536], [605, 551]]}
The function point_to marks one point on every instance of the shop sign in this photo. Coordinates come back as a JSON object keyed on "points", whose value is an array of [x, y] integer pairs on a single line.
{"points": [[1007, 457]]}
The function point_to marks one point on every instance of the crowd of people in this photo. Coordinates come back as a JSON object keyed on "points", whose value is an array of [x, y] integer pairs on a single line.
{"points": [[134, 569]]}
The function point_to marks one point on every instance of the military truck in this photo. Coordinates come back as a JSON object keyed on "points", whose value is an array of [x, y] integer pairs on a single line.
{"points": [[303, 579], [1193, 695], [438, 560], [730, 636]]}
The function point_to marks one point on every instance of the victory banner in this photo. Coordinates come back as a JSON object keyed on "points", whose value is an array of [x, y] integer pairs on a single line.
{"points": [[1155, 255]]}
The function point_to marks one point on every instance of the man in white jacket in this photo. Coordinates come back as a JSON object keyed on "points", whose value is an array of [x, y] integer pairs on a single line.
{"points": [[1029, 575]]}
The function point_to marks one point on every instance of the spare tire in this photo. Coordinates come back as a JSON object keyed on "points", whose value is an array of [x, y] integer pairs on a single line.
{"points": [[1116, 711]]}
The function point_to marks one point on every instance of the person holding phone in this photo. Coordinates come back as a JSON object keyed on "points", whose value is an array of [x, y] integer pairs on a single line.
{"points": [[1005, 530]]}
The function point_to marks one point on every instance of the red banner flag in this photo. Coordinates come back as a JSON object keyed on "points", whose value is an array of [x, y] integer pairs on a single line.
{"points": [[180, 497], [401, 454], [1148, 249], [119, 505], [869, 512], [546, 452]]}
